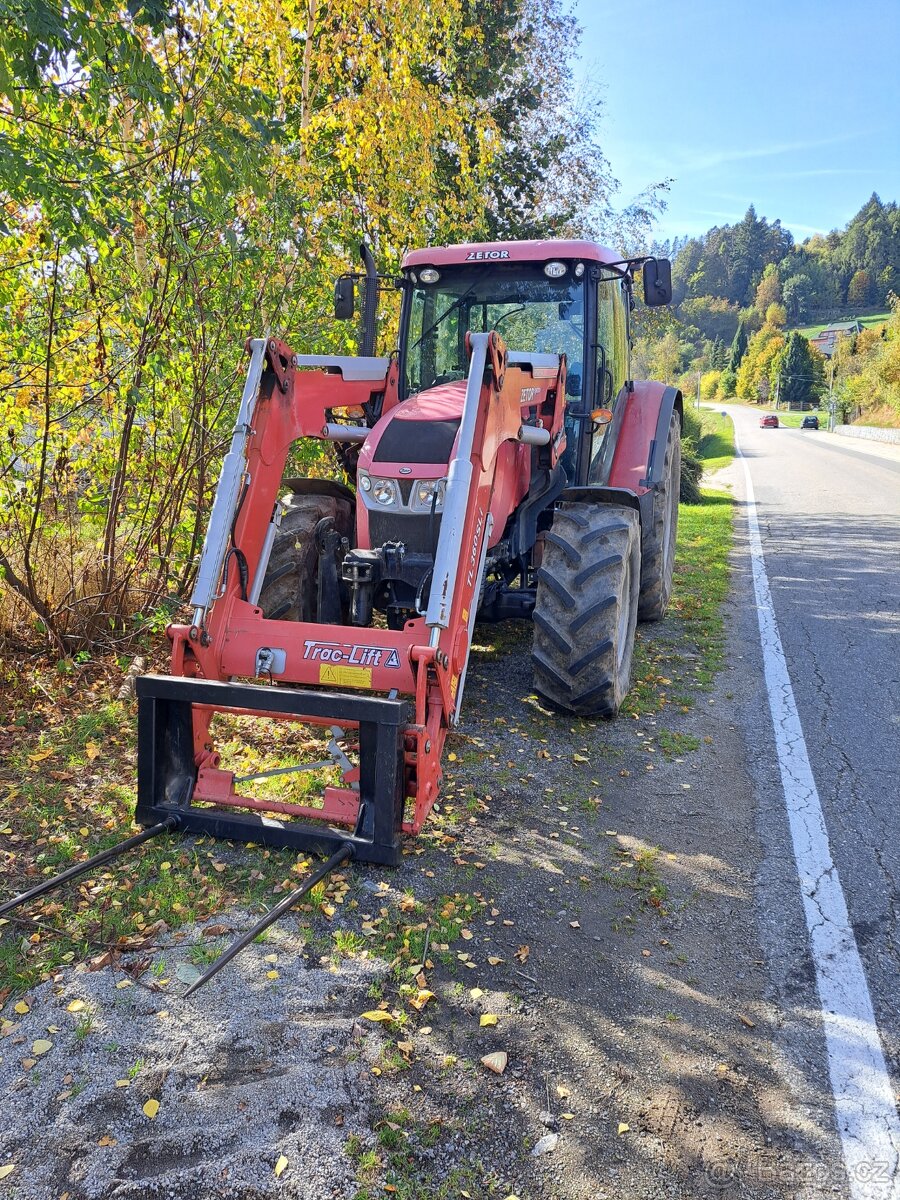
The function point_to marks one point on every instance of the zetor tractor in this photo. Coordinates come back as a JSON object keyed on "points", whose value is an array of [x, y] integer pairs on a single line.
{"points": [[501, 463]]}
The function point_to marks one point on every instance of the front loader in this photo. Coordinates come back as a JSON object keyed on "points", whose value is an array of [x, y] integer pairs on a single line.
{"points": [[501, 464]]}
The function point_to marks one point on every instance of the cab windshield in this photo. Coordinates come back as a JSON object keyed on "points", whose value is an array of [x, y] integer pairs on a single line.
{"points": [[528, 310]]}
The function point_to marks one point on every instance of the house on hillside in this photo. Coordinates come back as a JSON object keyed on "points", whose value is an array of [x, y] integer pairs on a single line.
{"points": [[825, 341]]}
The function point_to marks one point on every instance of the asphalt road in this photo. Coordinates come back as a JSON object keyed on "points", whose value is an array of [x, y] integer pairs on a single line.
{"points": [[829, 520]]}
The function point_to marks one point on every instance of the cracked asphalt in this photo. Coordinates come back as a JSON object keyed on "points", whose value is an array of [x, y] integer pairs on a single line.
{"points": [[829, 514]]}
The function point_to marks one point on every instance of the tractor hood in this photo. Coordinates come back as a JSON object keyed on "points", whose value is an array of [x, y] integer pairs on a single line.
{"points": [[420, 432]]}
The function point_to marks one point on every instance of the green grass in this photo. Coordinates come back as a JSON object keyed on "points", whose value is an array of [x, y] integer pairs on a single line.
{"points": [[716, 448], [676, 744], [675, 669]]}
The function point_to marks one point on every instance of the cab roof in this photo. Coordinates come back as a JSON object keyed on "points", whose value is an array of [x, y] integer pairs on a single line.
{"points": [[539, 252]]}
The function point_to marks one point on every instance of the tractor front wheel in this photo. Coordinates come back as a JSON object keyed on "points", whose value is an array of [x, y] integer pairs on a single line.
{"points": [[586, 608], [658, 541], [290, 587]]}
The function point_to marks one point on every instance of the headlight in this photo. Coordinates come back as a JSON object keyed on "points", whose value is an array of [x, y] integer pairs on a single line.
{"points": [[424, 491], [554, 270], [364, 481], [429, 275], [384, 491]]}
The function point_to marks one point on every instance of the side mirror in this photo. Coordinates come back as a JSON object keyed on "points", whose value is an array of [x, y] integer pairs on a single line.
{"points": [[344, 296], [657, 282]]}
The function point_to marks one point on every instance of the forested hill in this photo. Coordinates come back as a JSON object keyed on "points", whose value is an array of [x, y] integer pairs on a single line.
{"points": [[757, 262]]}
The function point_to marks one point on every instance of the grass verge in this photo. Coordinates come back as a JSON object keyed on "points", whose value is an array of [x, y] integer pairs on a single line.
{"points": [[716, 446], [673, 666]]}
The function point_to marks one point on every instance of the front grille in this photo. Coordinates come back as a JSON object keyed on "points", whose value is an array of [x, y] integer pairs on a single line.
{"points": [[418, 532]]}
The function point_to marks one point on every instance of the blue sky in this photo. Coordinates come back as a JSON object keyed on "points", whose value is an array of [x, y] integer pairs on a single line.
{"points": [[793, 107]]}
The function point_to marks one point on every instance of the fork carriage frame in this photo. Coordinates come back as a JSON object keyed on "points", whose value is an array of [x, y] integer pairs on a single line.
{"points": [[401, 688]]}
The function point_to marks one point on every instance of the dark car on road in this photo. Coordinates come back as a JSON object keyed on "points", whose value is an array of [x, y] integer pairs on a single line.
{"points": [[769, 421], [811, 421]]}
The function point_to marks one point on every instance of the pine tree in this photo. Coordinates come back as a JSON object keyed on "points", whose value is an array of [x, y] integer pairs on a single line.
{"points": [[798, 371], [738, 347]]}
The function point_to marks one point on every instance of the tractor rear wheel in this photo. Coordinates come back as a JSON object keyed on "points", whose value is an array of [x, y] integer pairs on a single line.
{"points": [[658, 540], [586, 608], [290, 587]]}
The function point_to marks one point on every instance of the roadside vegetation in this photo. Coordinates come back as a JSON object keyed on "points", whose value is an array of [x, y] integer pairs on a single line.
{"points": [[175, 179]]}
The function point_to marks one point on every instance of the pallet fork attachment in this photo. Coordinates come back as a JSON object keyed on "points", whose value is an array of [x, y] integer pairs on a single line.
{"points": [[171, 784]]}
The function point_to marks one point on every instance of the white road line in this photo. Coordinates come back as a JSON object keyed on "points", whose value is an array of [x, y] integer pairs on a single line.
{"points": [[865, 1108]]}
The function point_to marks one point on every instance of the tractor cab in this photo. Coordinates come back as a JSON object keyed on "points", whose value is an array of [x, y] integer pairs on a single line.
{"points": [[563, 298]]}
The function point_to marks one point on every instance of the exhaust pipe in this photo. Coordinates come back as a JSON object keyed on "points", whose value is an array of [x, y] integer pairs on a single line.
{"points": [[370, 304]]}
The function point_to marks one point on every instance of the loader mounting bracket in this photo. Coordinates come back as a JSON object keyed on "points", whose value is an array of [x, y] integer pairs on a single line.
{"points": [[167, 772]]}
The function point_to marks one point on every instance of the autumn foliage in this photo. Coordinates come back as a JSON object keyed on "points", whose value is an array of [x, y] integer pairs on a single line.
{"points": [[172, 181]]}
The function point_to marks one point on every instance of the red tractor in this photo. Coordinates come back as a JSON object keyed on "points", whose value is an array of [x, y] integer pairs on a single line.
{"points": [[502, 463]]}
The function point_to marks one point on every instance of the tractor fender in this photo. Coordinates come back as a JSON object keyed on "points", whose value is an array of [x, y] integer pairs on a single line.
{"points": [[596, 494], [640, 446]]}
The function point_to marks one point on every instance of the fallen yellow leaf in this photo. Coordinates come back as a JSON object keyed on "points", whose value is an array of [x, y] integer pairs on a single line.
{"points": [[271, 974], [475, 993], [7, 1170], [494, 960], [377, 1014], [151, 1108], [92, 750], [75, 1006], [22, 1007], [280, 1165], [466, 934], [419, 1002], [41, 1046], [567, 1116], [123, 1083], [488, 1019], [624, 1127]]}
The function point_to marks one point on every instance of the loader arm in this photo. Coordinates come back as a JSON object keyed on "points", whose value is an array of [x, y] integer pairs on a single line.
{"points": [[401, 689]]}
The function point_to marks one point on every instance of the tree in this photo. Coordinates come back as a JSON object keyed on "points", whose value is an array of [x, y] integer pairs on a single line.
{"points": [[768, 290], [797, 294], [757, 361], [666, 358], [798, 370], [738, 347], [860, 289]]}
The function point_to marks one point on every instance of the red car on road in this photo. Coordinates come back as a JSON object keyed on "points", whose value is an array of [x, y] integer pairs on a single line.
{"points": [[769, 421]]}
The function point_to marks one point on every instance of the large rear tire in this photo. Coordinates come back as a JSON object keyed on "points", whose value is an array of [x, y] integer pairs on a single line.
{"points": [[658, 540], [586, 608], [290, 587]]}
